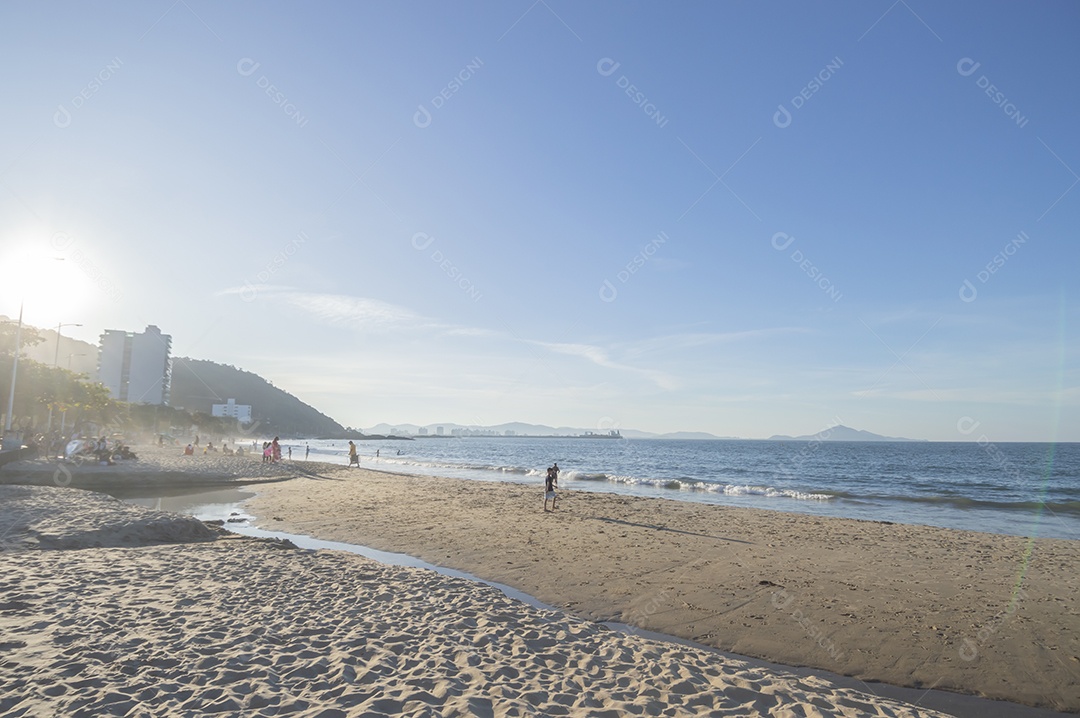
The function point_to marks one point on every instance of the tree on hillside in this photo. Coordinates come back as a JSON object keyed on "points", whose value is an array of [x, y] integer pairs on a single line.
{"points": [[28, 337], [39, 387]]}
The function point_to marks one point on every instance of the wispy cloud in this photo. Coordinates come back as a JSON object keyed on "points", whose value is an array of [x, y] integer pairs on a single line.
{"points": [[977, 395], [356, 312], [248, 289], [690, 340], [366, 314], [600, 357]]}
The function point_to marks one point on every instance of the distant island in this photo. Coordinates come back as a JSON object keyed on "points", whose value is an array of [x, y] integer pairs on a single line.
{"points": [[840, 433]]}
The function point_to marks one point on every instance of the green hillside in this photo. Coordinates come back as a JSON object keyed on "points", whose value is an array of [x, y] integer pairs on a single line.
{"points": [[198, 384]]}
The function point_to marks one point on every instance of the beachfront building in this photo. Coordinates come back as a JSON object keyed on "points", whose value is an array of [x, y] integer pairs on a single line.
{"points": [[136, 366], [240, 412]]}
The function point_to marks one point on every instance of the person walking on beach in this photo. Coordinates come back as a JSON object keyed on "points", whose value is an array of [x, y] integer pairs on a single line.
{"points": [[307, 451], [550, 484], [353, 457], [290, 453]]}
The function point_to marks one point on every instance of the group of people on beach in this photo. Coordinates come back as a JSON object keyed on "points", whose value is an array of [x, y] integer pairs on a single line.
{"points": [[192, 446], [272, 451]]}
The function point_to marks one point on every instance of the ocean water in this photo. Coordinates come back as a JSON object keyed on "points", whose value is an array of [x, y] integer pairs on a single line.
{"points": [[1013, 488]]}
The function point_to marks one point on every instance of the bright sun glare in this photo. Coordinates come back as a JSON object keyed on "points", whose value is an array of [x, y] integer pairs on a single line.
{"points": [[47, 282]]}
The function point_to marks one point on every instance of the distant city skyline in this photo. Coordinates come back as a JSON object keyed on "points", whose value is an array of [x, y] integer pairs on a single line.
{"points": [[741, 219]]}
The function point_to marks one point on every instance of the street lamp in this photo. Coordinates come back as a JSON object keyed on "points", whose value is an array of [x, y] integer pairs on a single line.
{"points": [[55, 362], [14, 371], [56, 354], [63, 414]]}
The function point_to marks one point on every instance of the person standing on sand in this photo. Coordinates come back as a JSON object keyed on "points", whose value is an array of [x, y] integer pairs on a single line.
{"points": [[353, 458], [550, 484], [290, 453], [307, 451]]}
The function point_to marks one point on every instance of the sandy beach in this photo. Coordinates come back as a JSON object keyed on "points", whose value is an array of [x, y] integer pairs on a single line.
{"points": [[110, 609], [985, 614]]}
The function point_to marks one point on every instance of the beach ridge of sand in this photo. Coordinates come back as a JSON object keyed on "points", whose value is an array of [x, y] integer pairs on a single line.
{"points": [[46, 517], [162, 467]]}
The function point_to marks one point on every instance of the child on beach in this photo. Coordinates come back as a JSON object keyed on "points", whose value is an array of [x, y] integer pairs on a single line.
{"points": [[550, 484]]}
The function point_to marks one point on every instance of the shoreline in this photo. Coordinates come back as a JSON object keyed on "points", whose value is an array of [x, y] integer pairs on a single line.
{"points": [[1000, 506], [903, 604]]}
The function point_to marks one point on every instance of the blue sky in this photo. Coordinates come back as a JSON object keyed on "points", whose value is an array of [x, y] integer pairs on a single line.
{"points": [[741, 218]]}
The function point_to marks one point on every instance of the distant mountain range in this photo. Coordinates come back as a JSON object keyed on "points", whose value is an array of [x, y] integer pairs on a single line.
{"points": [[522, 429], [840, 433], [517, 428]]}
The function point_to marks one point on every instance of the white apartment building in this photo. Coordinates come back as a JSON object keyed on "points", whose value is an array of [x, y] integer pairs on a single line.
{"points": [[136, 367], [240, 412]]}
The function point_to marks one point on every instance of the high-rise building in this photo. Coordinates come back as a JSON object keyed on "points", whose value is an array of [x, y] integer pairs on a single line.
{"points": [[135, 367]]}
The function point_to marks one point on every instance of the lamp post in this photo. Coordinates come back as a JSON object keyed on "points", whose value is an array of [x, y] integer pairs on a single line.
{"points": [[56, 357], [63, 414], [14, 371], [55, 363]]}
